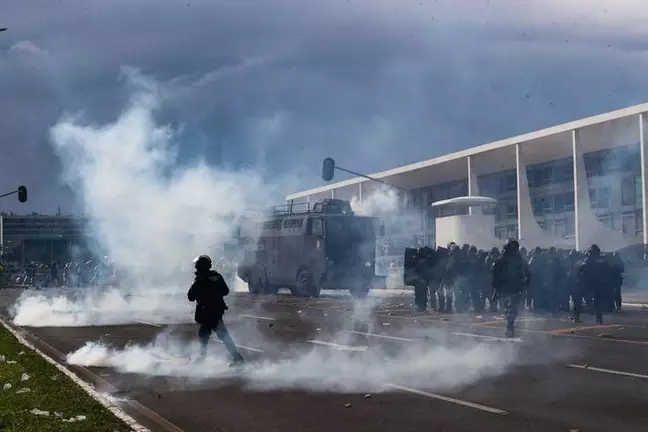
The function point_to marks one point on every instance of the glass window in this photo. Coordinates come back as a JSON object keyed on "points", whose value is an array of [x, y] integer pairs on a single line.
{"points": [[628, 226], [628, 196], [569, 200], [511, 211], [538, 206], [592, 195], [548, 204], [547, 173], [638, 195], [605, 220], [499, 232], [560, 229], [559, 203], [510, 183], [569, 226], [638, 222], [541, 224], [603, 197]]}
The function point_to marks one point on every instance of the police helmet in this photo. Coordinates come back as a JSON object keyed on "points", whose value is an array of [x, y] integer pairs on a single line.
{"points": [[512, 246], [203, 262], [595, 250]]}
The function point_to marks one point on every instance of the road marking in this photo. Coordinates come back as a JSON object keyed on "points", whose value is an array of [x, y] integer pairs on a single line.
{"points": [[257, 317], [247, 348], [581, 328], [490, 338], [338, 346], [382, 336], [609, 371], [149, 324], [448, 399]]}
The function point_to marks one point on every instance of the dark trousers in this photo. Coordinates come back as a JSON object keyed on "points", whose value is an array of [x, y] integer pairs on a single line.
{"points": [[219, 328]]}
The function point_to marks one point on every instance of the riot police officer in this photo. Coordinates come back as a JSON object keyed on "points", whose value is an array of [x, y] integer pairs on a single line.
{"points": [[595, 278], [511, 276], [208, 291]]}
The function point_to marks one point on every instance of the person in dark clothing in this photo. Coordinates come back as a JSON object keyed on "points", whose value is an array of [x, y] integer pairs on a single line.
{"points": [[54, 274], [595, 278], [617, 279], [511, 276], [208, 291]]}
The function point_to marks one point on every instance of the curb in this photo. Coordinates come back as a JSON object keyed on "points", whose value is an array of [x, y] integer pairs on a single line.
{"points": [[138, 417]]}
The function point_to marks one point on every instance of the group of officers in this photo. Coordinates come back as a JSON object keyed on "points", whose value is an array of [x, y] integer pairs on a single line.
{"points": [[544, 280]]}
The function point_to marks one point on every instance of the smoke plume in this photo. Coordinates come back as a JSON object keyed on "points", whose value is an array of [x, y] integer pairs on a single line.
{"points": [[149, 211]]}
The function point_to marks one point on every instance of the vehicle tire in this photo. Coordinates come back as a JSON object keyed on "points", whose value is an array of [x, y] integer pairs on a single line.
{"points": [[305, 285], [253, 286], [360, 290]]}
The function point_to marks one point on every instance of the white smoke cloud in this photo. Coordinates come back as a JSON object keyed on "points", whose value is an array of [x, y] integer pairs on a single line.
{"points": [[434, 365], [151, 214], [380, 203]]}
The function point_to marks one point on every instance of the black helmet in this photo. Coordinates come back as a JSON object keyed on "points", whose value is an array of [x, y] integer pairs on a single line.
{"points": [[202, 263], [512, 246], [595, 250]]}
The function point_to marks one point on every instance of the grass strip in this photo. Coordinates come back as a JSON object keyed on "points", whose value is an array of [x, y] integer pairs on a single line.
{"points": [[36, 396]]}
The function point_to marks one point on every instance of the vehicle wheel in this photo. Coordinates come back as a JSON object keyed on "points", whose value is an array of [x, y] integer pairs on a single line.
{"points": [[253, 286], [305, 285], [360, 290]]}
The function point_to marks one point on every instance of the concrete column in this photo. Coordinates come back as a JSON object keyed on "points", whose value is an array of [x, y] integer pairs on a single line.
{"points": [[520, 172], [470, 181], [360, 191], [333, 193], [644, 175], [577, 182]]}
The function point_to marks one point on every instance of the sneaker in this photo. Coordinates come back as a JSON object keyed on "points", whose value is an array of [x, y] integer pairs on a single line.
{"points": [[510, 332], [237, 361]]}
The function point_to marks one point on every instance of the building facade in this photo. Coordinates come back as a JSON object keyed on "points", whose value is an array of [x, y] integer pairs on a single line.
{"points": [[567, 186], [40, 238]]}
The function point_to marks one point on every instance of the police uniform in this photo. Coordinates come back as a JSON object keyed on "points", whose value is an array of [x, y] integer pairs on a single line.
{"points": [[511, 276], [208, 291], [595, 278]]}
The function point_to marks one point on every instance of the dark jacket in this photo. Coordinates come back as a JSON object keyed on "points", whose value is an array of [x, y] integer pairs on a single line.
{"points": [[595, 275], [208, 291], [511, 274]]}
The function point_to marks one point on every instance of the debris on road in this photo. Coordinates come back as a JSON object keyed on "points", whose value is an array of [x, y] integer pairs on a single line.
{"points": [[368, 396], [347, 405]]}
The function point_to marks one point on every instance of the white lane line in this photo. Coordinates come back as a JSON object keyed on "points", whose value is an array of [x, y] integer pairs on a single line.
{"points": [[247, 348], [489, 338], [382, 336], [609, 371], [338, 346], [149, 324], [447, 399], [258, 317]]}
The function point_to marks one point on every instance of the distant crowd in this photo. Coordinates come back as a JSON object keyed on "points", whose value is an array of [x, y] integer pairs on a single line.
{"points": [[462, 275], [71, 274]]}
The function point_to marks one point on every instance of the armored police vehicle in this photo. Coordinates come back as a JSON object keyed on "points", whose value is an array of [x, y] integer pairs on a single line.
{"points": [[326, 246]]}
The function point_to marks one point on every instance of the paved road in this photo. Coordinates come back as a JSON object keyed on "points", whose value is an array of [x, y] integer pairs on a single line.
{"points": [[311, 364]]}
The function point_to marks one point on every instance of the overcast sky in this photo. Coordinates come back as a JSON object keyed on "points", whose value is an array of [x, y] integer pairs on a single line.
{"points": [[281, 84]]}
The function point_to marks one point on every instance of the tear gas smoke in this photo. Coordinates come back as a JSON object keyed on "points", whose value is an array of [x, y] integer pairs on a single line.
{"points": [[437, 367], [151, 213], [379, 203]]}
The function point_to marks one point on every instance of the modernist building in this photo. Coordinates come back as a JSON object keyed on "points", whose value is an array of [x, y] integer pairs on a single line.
{"points": [[40, 238], [567, 186]]}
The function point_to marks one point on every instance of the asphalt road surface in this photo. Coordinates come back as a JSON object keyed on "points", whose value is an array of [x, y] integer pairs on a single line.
{"points": [[383, 367]]}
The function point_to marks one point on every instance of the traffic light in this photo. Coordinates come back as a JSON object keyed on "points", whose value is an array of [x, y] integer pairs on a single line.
{"points": [[22, 194], [328, 169]]}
